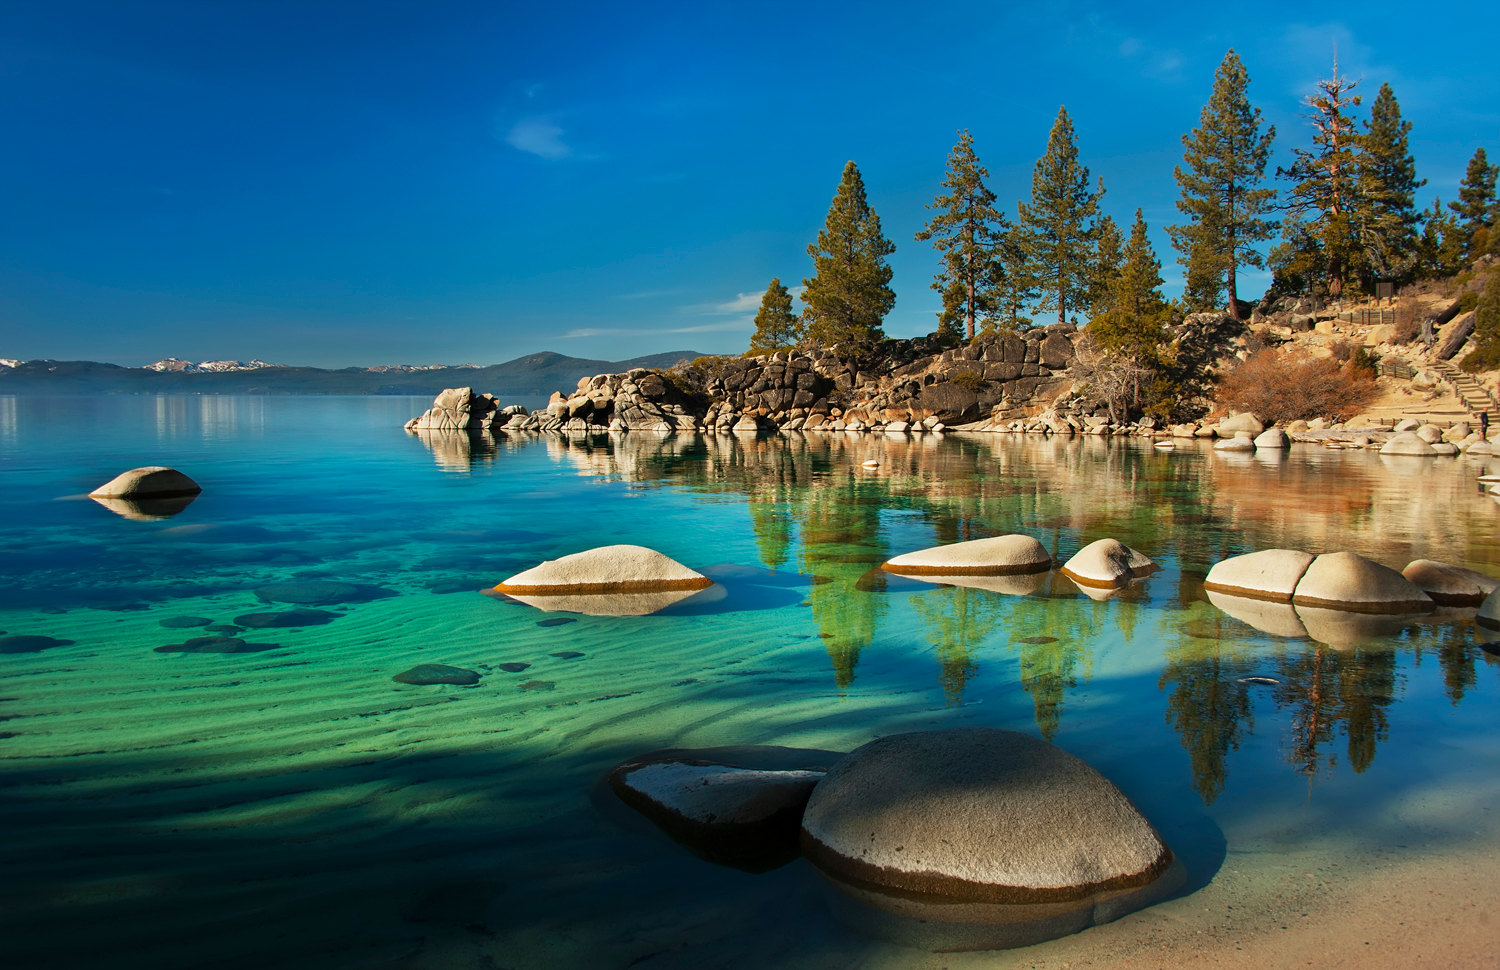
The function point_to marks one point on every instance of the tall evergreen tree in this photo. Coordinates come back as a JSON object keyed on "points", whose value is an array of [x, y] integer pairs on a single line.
{"points": [[1016, 284], [1440, 248], [776, 326], [1059, 222], [1325, 181], [1476, 207], [1388, 219], [966, 232], [849, 293], [1109, 253], [1133, 329], [1225, 158]]}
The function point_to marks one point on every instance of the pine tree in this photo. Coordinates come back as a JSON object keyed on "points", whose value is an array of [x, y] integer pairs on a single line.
{"points": [[1109, 253], [848, 294], [1058, 224], [1325, 180], [776, 326], [1387, 210], [966, 232], [1016, 284], [1476, 207], [1226, 159], [1441, 245], [1132, 332]]}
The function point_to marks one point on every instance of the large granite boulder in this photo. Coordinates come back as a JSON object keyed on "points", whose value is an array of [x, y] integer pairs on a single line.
{"points": [[1346, 581], [1272, 438], [456, 409], [1449, 585], [978, 838], [1489, 612], [1006, 555], [607, 569], [1270, 574], [1244, 421], [152, 481], [1106, 564], [736, 806], [1408, 443], [1240, 442]]}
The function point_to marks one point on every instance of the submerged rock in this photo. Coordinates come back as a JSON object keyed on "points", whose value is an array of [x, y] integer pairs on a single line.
{"points": [[739, 807], [978, 838], [31, 644], [184, 622], [428, 674], [321, 592], [289, 618], [216, 645]]}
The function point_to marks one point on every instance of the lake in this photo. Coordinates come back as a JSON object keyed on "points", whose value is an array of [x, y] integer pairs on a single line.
{"points": [[291, 804]]}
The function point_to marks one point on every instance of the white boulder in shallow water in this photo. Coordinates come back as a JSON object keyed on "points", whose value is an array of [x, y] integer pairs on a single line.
{"points": [[607, 569], [1449, 585], [1272, 438], [1106, 564], [622, 580], [978, 838], [1240, 442], [736, 806], [152, 481], [1346, 581], [1270, 574], [1489, 611], [1006, 555]]}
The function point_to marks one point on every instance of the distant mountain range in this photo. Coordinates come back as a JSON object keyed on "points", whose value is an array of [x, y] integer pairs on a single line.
{"points": [[528, 376]]}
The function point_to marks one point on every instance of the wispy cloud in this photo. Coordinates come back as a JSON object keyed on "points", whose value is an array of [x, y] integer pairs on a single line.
{"points": [[741, 305], [538, 136], [652, 331]]}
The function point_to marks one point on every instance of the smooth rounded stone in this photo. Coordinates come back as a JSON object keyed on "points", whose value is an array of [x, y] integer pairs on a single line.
{"points": [[184, 622], [1407, 424], [1430, 433], [1006, 555], [979, 838], [1107, 564], [616, 604], [1272, 438], [31, 644], [607, 569], [1489, 611], [736, 806], [321, 592], [1444, 448], [152, 481], [1346, 581], [566, 654], [1240, 442], [1407, 443], [1449, 585], [290, 618], [1238, 423], [514, 667], [1269, 574], [429, 674], [146, 509], [216, 645], [1480, 448]]}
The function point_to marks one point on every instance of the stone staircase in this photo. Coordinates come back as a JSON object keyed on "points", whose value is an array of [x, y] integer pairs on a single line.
{"points": [[1475, 397]]}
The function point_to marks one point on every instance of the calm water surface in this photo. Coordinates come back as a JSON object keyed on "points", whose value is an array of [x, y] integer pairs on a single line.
{"points": [[295, 805]]}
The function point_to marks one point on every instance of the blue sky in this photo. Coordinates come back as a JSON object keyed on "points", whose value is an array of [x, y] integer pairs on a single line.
{"points": [[348, 184]]}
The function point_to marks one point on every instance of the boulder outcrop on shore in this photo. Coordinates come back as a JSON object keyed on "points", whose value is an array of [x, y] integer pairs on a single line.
{"points": [[978, 838]]}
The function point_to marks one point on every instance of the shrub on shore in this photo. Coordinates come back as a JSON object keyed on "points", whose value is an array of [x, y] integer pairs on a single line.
{"points": [[1279, 388]]}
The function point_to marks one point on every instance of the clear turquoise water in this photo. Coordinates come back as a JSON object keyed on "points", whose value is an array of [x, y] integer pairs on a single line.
{"points": [[295, 805]]}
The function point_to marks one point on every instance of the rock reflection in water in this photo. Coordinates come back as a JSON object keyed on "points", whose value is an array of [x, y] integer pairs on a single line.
{"points": [[458, 450], [146, 509]]}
